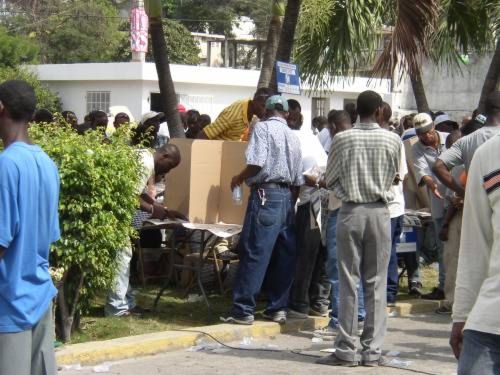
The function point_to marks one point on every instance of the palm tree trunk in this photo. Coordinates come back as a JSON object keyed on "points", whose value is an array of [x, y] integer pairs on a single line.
{"points": [[269, 56], [287, 37], [492, 78], [166, 84], [419, 93]]}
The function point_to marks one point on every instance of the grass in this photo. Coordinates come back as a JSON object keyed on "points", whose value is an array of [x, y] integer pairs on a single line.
{"points": [[175, 312], [429, 278]]}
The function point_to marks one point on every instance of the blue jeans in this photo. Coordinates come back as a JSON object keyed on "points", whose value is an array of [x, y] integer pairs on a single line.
{"points": [[480, 354], [120, 297], [333, 273], [267, 245], [393, 274]]}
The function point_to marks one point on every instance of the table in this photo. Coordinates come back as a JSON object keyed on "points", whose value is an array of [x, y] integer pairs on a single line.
{"points": [[207, 233]]}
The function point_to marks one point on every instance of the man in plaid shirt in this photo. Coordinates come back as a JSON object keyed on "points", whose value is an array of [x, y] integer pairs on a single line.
{"points": [[362, 167]]}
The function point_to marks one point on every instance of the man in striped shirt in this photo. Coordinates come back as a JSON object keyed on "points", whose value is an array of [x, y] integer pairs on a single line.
{"points": [[234, 122], [361, 170]]}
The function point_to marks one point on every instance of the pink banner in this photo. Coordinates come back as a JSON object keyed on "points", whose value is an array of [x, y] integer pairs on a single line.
{"points": [[138, 30]]}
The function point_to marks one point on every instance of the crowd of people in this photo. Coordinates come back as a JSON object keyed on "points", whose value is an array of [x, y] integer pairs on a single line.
{"points": [[320, 234]]}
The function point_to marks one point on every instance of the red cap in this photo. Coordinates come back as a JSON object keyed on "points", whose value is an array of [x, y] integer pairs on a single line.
{"points": [[181, 108]]}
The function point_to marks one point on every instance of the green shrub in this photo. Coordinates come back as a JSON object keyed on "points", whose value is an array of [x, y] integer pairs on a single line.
{"points": [[97, 200], [44, 97]]}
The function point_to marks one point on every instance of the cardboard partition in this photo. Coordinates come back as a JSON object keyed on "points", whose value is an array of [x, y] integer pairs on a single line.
{"points": [[193, 187], [200, 186], [233, 162]]}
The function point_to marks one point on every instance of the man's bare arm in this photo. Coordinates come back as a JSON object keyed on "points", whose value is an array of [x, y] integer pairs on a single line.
{"points": [[444, 175]]}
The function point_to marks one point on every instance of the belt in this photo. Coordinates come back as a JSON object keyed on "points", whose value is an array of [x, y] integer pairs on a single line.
{"points": [[272, 185]]}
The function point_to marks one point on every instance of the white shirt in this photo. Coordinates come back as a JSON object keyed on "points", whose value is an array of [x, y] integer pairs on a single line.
{"points": [[163, 130], [325, 138], [313, 155], [148, 168], [477, 292], [397, 205]]}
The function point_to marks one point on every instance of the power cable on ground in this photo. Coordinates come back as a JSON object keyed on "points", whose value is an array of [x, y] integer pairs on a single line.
{"points": [[292, 351]]}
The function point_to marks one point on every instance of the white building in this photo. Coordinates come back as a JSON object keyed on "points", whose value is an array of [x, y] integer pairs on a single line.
{"points": [[85, 87]]}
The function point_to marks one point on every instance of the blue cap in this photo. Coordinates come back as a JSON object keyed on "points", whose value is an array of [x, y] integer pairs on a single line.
{"points": [[276, 99]]}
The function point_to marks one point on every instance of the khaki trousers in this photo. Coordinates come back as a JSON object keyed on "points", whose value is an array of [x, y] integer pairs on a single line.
{"points": [[450, 257]]}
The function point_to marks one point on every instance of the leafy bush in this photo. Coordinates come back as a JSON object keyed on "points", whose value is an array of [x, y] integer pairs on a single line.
{"points": [[97, 200], [44, 97]]}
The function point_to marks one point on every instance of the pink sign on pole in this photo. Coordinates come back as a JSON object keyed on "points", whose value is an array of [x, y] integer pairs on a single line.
{"points": [[138, 30]]}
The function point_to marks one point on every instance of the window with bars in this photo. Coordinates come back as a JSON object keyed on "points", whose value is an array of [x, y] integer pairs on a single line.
{"points": [[98, 101], [320, 107]]}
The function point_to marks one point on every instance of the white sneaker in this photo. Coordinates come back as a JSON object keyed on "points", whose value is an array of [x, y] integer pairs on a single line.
{"points": [[292, 314], [278, 316], [327, 333]]}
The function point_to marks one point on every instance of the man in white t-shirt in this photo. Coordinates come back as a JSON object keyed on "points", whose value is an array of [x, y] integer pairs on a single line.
{"points": [[397, 211], [311, 289], [120, 300]]}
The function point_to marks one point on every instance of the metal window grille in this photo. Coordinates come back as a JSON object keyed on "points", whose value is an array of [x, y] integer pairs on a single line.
{"points": [[98, 101], [320, 107]]}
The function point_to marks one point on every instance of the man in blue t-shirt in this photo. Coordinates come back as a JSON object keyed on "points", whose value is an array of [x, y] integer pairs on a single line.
{"points": [[29, 194]]}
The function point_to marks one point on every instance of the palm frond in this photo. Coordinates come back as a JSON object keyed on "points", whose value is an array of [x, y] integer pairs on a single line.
{"points": [[408, 44], [336, 38]]}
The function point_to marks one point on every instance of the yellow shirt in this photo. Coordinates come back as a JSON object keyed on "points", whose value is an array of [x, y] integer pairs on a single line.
{"points": [[231, 124]]}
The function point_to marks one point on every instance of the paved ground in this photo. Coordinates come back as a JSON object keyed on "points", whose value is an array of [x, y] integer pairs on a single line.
{"points": [[420, 342]]}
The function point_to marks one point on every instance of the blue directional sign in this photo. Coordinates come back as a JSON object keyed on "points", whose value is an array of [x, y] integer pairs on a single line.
{"points": [[287, 77]]}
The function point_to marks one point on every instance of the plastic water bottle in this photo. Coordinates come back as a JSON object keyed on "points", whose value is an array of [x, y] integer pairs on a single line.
{"points": [[237, 196]]}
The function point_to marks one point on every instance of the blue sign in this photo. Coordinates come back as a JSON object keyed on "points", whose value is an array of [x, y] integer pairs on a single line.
{"points": [[287, 77]]}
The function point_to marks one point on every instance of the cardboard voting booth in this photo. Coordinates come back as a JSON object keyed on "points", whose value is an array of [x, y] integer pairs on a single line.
{"points": [[200, 186]]}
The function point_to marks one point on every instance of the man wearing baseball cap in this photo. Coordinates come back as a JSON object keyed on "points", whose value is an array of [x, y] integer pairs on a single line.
{"points": [[425, 153], [274, 169]]}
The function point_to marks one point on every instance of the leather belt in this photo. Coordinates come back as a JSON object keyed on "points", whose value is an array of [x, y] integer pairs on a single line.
{"points": [[272, 185]]}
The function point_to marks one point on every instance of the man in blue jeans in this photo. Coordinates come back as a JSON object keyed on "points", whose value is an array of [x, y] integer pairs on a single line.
{"points": [[397, 211], [267, 242], [475, 336]]}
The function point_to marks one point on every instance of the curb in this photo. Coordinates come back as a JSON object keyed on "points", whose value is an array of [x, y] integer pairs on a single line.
{"points": [[92, 353]]}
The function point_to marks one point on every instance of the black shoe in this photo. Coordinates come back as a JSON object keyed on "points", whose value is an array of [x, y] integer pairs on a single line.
{"points": [[436, 295], [333, 360], [230, 318], [415, 289]]}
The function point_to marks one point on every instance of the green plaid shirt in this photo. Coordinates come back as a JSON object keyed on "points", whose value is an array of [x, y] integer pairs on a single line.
{"points": [[363, 164]]}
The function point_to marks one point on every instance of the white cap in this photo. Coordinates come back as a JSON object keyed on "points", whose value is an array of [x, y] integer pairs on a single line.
{"points": [[422, 122], [149, 115]]}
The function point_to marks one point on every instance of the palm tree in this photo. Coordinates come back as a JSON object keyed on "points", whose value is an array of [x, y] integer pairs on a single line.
{"points": [[166, 84], [338, 38], [287, 37], [492, 78], [491, 13], [273, 36]]}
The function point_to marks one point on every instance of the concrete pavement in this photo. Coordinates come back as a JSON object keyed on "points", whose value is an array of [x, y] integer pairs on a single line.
{"points": [[418, 341]]}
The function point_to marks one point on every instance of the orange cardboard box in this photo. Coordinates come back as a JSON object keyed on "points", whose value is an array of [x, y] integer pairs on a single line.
{"points": [[200, 186]]}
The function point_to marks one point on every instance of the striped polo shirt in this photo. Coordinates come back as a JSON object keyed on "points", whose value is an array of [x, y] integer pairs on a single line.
{"points": [[231, 124]]}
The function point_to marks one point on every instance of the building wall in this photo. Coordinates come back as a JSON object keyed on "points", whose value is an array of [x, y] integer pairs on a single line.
{"points": [[454, 92], [74, 96], [208, 90]]}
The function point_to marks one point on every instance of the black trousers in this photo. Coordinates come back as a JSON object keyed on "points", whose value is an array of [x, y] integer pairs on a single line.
{"points": [[311, 287]]}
